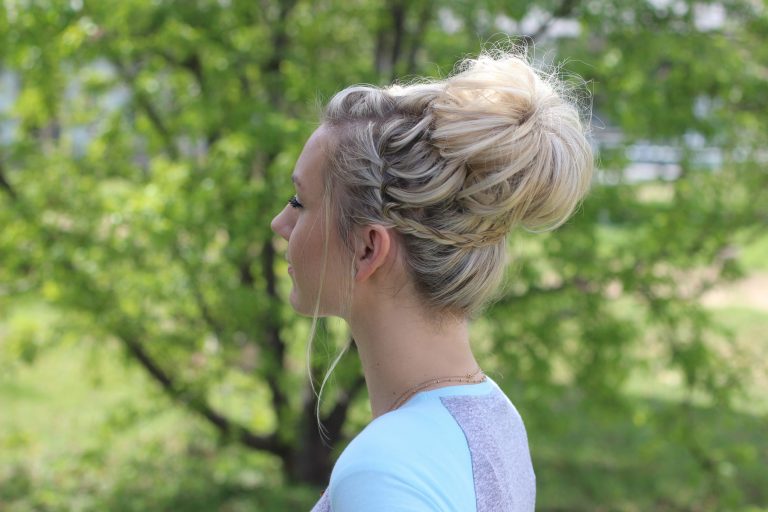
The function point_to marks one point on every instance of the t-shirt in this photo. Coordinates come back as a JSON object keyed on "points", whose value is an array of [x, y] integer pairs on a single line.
{"points": [[458, 448]]}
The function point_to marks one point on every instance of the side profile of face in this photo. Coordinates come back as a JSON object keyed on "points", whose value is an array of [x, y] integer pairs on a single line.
{"points": [[302, 224]]}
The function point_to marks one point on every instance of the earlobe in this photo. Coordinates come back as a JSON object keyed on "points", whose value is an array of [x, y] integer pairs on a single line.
{"points": [[374, 244]]}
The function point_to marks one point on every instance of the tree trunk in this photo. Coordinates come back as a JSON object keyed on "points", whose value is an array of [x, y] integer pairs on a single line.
{"points": [[310, 460]]}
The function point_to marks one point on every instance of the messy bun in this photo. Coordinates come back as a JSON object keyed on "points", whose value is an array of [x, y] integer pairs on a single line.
{"points": [[453, 165]]}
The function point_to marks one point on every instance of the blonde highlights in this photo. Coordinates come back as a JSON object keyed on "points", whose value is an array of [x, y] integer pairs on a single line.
{"points": [[454, 165]]}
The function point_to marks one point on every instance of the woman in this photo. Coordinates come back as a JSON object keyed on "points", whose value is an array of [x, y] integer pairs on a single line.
{"points": [[404, 196]]}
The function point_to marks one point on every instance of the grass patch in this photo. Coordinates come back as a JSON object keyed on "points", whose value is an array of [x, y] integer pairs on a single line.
{"points": [[81, 431], [74, 436], [648, 455], [754, 252]]}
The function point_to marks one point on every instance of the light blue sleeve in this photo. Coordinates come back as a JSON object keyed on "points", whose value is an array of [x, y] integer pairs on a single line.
{"points": [[413, 459], [378, 491]]}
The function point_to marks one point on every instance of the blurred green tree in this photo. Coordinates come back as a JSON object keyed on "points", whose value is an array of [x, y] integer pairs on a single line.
{"points": [[150, 143]]}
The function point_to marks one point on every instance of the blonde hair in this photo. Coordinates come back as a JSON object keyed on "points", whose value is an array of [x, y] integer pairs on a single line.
{"points": [[453, 165]]}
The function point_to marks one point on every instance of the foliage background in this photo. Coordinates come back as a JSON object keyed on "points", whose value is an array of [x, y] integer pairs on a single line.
{"points": [[149, 361]]}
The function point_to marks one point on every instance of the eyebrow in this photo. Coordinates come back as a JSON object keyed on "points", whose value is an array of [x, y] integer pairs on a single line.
{"points": [[295, 180]]}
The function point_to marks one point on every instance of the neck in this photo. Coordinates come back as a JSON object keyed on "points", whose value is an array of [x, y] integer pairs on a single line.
{"points": [[400, 348]]}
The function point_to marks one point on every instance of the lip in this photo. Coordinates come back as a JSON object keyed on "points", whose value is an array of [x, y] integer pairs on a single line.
{"points": [[290, 269]]}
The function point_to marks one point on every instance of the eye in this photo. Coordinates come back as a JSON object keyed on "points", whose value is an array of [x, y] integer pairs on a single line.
{"points": [[294, 202]]}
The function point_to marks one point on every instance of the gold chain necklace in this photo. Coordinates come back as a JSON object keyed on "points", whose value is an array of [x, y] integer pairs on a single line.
{"points": [[467, 379]]}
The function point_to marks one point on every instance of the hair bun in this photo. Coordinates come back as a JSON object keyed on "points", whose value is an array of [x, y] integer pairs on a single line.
{"points": [[521, 142], [452, 165]]}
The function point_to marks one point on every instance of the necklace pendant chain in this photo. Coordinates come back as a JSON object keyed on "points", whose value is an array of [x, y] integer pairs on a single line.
{"points": [[468, 379]]}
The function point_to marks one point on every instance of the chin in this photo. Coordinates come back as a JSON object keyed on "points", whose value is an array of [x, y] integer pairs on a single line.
{"points": [[298, 306], [303, 307], [308, 310]]}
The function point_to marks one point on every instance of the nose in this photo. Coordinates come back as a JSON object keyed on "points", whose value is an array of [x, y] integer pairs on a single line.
{"points": [[280, 224]]}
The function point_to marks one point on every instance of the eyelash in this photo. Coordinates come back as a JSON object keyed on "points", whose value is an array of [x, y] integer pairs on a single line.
{"points": [[294, 202]]}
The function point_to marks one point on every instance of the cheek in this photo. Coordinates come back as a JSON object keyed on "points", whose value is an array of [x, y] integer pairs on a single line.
{"points": [[302, 246]]}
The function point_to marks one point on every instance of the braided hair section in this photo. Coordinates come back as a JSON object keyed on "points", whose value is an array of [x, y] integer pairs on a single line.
{"points": [[454, 165]]}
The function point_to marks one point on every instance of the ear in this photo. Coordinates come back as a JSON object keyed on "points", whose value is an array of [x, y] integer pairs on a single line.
{"points": [[372, 249]]}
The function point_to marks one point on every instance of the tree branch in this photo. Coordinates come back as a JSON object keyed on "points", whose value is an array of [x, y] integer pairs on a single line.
{"points": [[272, 332], [198, 404], [5, 184], [398, 19], [389, 39], [334, 421], [149, 109], [197, 293], [425, 15], [279, 44], [130, 334], [192, 63]]}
